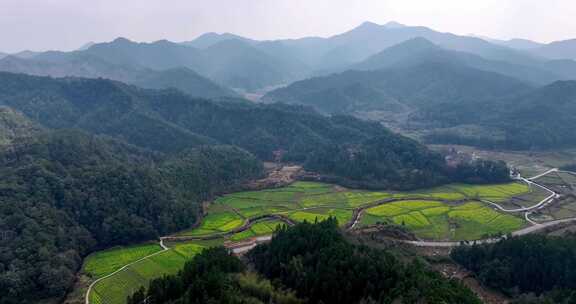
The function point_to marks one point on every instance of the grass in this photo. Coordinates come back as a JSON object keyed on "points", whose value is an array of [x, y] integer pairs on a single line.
{"points": [[343, 216], [118, 287], [441, 221], [218, 221], [257, 229], [430, 213], [102, 263], [115, 289], [359, 198], [492, 192]]}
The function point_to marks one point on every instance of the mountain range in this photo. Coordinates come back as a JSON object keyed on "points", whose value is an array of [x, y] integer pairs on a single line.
{"points": [[449, 96], [558, 50], [232, 63], [121, 142], [251, 65], [169, 121], [80, 65], [541, 118], [401, 73], [420, 50]]}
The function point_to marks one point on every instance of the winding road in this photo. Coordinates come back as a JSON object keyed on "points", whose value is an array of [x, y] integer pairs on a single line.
{"points": [[357, 214], [527, 211]]}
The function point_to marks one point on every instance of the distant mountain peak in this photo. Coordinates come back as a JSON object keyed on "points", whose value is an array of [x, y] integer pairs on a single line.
{"points": [[209, 39], [86, 46], [394, 24], [120, 40], [409, 52], [418, 42], [367, 25]]}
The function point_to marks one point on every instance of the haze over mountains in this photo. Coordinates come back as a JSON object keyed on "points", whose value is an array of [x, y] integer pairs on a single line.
{"points": [[410, 77], [242, 63], [121, 142]]}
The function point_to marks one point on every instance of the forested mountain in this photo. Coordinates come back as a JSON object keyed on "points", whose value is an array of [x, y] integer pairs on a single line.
{"points": [[398, 89], [539, 119], [231, 62], [14, 125], [81, 65], [536, 264], [370, 38], [565, 49], [26, 54], [65, 194], [170, 121], [237, 64], [2, 55], [420, 50], [453, 96], [214, 276], [325, 54], [210, 39], [317, 263], [248, 64], [519, 44]]}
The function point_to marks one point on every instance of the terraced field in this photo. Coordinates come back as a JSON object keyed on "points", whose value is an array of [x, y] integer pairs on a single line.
{"points": [[443, 213], [258, 229], [105, 262], [116, 288], [443, 221]]}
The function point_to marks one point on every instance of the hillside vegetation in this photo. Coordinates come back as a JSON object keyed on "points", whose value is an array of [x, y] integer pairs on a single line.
{"points": [[448, 97], [539, 119], [537, 265], [83, 65], [168, 121], [66, 193], [313, 260]]}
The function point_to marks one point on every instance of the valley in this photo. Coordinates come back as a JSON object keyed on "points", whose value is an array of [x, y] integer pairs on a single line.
{"points": [[305, 164], [435, 217]]}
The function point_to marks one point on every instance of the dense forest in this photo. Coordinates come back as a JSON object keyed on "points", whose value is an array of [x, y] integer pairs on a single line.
{"points": [[354, 151], [66, 193], [442, 94], [539, 119], [213, 276], [541, 268], [320, 265], [398, 89], [92, 163], [313, 260]]}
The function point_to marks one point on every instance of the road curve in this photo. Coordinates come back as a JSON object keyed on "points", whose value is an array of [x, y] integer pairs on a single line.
{"points": [[524, 231], [165, 248], [356, 218]]}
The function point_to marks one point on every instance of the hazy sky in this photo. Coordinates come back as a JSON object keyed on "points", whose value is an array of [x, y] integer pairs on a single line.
{"points": [[68, 24]]}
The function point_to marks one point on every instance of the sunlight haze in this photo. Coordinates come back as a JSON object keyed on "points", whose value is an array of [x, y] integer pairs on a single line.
{"points": [[68, 24]]}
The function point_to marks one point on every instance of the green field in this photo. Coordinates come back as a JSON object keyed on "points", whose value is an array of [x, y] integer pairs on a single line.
{"points": [[491, 192], [218, 220], [441, 221], [257, 229], [440, 213], [105, 262], [115, 289], [311, 215]]}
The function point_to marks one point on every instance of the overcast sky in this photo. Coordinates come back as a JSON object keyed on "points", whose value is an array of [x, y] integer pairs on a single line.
{"points": [[68, 24]]}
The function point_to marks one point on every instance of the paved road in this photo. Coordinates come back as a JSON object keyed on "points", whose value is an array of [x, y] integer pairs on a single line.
{"points": [[356, 218], [530, 229], [91, 286], [529, 181], [525, 231], [544, 174]]}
